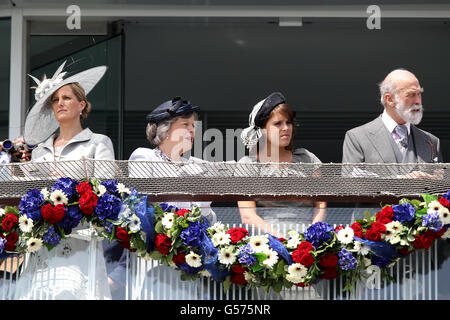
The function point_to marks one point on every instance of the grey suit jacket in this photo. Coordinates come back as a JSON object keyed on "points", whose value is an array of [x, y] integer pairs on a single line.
{"points": [[370, 143]]}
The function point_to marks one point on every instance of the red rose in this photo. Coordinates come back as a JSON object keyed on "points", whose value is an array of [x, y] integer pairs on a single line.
{"points": [[405, 251], [330, 273], [88, 201], [444, 202], [10, 246], [237, 268], [237, 234], [305, 246], [328, 260], [238, 279], [179, 258], [422, 241], [303, 257], [12, 237], [53, 214], [163, 243], [182, 212], [373, 235], [122, 234], [302, 284], [84, 187], [338, 228], [435, 234], [385, 215], [9, 221], [357, 229], [378, 227]]}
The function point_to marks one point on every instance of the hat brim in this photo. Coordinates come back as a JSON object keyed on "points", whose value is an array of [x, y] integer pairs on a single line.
{"points": [[40, 122]]}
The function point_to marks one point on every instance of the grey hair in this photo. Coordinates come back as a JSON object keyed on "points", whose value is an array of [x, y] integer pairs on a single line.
{"points": [[157, 132], [388, 85]]}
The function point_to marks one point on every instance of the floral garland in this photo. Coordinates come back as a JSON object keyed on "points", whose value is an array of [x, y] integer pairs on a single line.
{"points": [[184, 239]]}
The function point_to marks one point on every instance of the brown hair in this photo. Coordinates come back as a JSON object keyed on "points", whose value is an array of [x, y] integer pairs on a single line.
{"points": [[286, 111], [79, 92]]}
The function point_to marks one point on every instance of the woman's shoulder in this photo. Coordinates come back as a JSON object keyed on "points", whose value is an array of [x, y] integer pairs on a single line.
{"points": [[143, 154], [305, 156], [247, 159]]}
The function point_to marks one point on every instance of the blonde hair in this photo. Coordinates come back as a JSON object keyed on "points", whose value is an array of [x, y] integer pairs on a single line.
{"points": [[79, 92]]}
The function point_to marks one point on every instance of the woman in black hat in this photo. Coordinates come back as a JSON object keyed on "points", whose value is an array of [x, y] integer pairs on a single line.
{"points": [[170, 131]]}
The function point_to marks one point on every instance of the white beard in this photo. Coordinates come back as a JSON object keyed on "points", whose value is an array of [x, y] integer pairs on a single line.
{"points": [[409, 114]]}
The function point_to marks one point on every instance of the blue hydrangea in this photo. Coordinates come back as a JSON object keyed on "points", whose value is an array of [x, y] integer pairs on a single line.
{"points": [[245, 255], [432, 221], [111, 186], [447, 195], [51, 237], [108, 207], [167, 208], [72, 218], [318, 233], [346, 260], [188, 269], [380, 261], [191, 235], [30, 204], [2, 244], [404, 212], [66, 185]]}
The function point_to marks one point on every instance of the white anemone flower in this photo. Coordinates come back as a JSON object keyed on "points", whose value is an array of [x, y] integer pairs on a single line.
{"points": [[25, 224], [294, 240], [434, 206], [345, 235], [134, 224], [444, 215], [361, 248], [100, 190], [34, 244], [122, 189], [296, 273], [58, 197], [168, 220], [220, 238], [272, 258], [45, 194], [227, 255], [217, 227], [259, 243], [194, 260]]}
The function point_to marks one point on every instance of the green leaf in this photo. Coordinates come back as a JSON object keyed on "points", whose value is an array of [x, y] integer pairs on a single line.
{"points": [[367, 215], [428, 198], [260, 256], [226, 284]]}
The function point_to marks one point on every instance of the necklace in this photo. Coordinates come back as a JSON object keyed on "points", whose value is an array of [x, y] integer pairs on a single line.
{"points": [[162, 155]]}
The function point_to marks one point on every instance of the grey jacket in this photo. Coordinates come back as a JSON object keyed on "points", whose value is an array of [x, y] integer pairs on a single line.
{"points": [[370, 143], [85, 144]]}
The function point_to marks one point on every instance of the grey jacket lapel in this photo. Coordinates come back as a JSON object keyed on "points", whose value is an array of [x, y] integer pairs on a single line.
{"points": [[423, 145], [380, 138]]}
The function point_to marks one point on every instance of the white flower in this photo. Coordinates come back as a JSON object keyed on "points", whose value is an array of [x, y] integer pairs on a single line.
{"points": [[100, 190], [367, 262], [345, 235], [435, 206], [45, 193], [194, 260], [122, 189], [296, 273], [446, 235], [58, 197], [25, 223], [2, 212], [221, 238], [444, 215], [272, 258], [204, 273], [361, 248], [34, 244], [168, 220], [125, 214], [227, 255], [217, 227], [249, 277], [392, 230], [259, 243], [135, 223], [294, 239]]}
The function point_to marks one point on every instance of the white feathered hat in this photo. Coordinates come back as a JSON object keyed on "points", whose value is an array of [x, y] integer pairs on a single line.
{"points": [[41, 122]]}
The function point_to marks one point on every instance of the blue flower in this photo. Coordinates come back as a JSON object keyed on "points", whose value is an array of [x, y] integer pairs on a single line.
{"points": [[432, 221], [318, 233], [380, 261], [188, 269], [30, 204], [403, 212], [2, 244], [191, 236], [346, 260], [66, 185], [166, 208], [108, 207], [447, 195], [245, 255], [51, 237], [111, 186], [72, 218]]}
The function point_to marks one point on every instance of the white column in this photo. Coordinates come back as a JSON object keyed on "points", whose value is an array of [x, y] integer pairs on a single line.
{"points": [[18, 66]]}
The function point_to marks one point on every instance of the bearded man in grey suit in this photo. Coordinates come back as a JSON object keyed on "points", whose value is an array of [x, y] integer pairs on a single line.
{"points": [[393, 136]]}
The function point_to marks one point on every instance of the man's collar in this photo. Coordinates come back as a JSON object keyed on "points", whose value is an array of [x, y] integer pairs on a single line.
{"points": [[391, 124]]}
